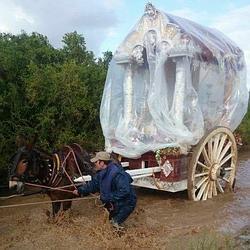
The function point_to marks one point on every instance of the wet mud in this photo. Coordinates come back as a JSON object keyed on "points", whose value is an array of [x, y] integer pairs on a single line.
{"points": [[161, 221]]}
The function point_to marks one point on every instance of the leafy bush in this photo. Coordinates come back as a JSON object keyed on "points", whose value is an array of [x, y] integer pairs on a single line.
{"points": [[55, 93]]}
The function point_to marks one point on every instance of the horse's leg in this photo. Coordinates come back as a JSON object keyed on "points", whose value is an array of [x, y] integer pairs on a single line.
{"points": [[66, 205], [56, 207]]}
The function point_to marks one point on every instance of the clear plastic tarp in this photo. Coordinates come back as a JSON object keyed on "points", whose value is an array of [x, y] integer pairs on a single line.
{"points": [[169, 82]]}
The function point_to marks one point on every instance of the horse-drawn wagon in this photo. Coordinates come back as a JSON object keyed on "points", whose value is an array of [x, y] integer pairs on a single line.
{"points": [[174, 93]]}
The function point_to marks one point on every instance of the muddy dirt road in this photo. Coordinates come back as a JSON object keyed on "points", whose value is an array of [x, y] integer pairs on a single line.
{"points": [[161, 221]]}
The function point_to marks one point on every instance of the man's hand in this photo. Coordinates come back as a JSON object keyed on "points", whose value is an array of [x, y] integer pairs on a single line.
{"points": [[75, 192]]}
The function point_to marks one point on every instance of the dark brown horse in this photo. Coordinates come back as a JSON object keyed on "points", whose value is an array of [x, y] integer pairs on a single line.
{"points": [[52, 172]]}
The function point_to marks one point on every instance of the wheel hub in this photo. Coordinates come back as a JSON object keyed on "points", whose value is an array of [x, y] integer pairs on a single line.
{"points": [[213, 173]]}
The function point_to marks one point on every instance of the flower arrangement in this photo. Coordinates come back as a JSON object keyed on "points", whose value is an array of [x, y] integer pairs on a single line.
{"points": [[160, 153]]}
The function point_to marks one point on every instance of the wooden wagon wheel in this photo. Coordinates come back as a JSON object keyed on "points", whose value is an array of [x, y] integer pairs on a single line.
{"points": [[213, 165]]}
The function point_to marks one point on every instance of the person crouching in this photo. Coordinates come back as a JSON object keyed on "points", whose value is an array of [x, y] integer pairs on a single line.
{"points": [[114, 184]]}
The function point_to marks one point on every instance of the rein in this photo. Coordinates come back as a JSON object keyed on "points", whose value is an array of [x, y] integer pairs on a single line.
{"points": [[48, 202], [78, 168], [64, 170], [52, 188]]}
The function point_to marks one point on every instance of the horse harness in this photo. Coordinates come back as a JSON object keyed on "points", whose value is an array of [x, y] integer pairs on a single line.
{"points": [[57, 170]]}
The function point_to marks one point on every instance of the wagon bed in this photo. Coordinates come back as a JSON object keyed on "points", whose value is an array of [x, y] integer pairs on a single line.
{"points": [[205, 171]]}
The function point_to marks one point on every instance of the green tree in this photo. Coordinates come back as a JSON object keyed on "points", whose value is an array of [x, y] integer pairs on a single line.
{"points": [[107, 57], [55, 93], [75, 48], [244, 128]]}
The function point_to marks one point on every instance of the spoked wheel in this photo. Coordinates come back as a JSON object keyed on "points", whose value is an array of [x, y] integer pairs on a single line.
{"points": [[213, 165]]}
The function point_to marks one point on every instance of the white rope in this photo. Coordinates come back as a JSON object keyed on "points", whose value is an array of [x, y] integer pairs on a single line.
{"points": [[44, 202], [11, 196]]}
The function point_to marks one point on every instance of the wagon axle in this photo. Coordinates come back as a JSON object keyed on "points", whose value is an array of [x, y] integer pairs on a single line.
{"points": [[214, 172]]}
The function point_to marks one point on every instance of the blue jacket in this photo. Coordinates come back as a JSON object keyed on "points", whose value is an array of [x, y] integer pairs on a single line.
{"points": [[113, 183]]}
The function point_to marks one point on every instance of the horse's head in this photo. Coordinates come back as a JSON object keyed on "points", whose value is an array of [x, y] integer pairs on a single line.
{"points": [[23, 166], [87, 167]]}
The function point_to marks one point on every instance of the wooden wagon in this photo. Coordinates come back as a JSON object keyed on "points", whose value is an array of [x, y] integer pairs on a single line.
{"points": [[174, 92], [208, 169]]}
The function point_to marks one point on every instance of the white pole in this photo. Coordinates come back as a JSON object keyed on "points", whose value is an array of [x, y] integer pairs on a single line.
{"points": [[128, 94], [134, 173], [178, 100]]}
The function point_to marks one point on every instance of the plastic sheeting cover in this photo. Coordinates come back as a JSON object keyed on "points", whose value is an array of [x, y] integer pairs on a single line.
{"points": [[169, 82]]}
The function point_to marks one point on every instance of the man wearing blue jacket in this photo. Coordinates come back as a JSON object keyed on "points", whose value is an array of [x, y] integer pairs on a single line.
{"points": [[114, 185]]}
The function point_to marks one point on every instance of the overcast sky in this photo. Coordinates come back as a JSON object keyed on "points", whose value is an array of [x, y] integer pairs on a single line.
{"points": [[104, 23]]}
